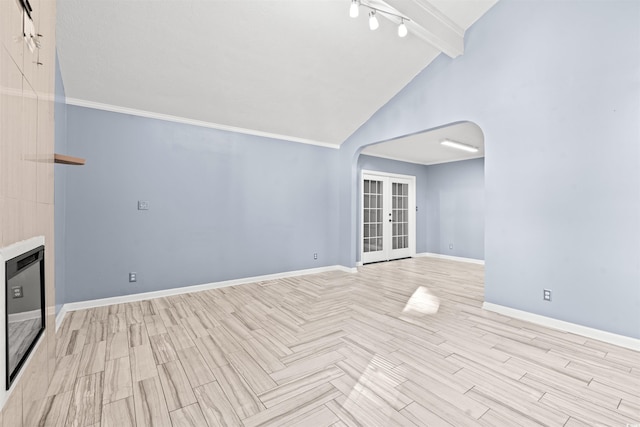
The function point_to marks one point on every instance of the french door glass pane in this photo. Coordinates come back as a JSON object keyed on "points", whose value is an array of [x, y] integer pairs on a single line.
{"points": [[400, 215], [372, 221]]}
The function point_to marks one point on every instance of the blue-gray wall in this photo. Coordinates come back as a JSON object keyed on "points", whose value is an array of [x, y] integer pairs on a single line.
{"points": [[222, 205], [555, 88], [60, 117], [203, 186], [454, 205]]}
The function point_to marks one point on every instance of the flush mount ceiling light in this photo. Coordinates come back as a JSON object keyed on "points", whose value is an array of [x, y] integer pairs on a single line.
{"points": [[459, 146], [374, 24]]}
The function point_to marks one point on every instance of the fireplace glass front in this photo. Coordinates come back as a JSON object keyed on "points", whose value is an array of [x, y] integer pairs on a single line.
{"points": [[24, 308]]}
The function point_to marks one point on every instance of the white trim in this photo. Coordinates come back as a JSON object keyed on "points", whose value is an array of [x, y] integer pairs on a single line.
{"points": [[6, 254], [169, 118], [388, 177], [60, 316], [386, 174], [413, 161], [19, 248], [24, 315], [597, 334], [7, 395], [80, 305], [344, 269], [359, 264], [451, 258]]}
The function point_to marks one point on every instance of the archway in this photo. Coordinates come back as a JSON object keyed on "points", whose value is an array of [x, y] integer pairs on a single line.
{"points": [[451, 222]]}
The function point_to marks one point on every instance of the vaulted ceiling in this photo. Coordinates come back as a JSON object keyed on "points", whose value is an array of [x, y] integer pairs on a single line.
{"points": [[298, 70]]}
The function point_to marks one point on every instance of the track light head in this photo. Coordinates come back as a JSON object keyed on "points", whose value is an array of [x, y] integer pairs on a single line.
{"points": [[402, 29], [374, 24], [354, 10], [373, 21]]}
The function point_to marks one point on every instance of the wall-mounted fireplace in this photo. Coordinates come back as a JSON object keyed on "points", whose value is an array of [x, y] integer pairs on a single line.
{"points": [[23, 321], [24, 302]]}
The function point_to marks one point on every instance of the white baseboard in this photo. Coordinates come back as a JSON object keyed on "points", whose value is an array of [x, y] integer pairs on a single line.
{"points": [[60, 316], [597, 334], [343, 269], [81, 305], [451, 258]]}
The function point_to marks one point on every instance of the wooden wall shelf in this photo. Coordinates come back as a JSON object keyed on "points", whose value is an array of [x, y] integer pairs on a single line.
{"points": [[68, 160]]}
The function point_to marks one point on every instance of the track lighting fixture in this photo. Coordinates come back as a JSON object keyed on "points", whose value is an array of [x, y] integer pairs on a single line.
{"points": [[374, 24], [373, 21], [354, 10]]}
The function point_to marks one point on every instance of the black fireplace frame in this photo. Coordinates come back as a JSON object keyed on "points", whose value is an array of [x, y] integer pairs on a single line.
{"points": [[13, 267]]}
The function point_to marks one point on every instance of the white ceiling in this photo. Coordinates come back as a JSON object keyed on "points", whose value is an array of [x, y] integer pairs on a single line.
{"points": [[300, 70], [425, 148]]}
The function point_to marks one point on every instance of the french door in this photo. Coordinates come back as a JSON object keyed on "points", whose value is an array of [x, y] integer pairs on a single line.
{"points": [[388, 216]]}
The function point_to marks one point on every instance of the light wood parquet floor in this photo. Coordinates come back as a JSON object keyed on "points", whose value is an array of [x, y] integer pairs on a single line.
{"points": [[400, 343]]}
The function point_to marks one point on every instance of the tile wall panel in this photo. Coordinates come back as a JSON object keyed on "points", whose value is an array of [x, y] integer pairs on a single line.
{"points": [[11, 121], [26, 176], [28, 152], [44, 154], [11, 29], [12, 411]]}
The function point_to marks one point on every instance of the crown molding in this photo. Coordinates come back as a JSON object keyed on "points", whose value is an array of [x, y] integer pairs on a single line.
{"points": [[169, 118]]}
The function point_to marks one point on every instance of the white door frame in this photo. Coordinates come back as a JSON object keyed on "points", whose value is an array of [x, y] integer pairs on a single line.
{"points": [[412, 207]]}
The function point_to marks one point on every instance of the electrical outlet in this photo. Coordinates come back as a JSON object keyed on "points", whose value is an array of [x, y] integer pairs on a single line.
{"points": [[17, 292], [546, 294], [133, 277], [143, 205], [315, 255]]}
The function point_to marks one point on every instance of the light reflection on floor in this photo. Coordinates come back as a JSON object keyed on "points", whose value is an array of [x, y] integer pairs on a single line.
{"points": [[375, 384], [375, 379], [422, 303]]}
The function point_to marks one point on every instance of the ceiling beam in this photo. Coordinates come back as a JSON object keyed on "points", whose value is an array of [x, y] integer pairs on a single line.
{"points": [[431, 25]]}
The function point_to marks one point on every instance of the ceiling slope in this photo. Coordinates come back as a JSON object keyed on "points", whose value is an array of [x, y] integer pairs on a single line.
{"points": [[299, 70]]}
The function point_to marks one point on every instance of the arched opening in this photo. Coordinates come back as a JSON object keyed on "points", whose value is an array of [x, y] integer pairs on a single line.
{"points": [[446, 217]]}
